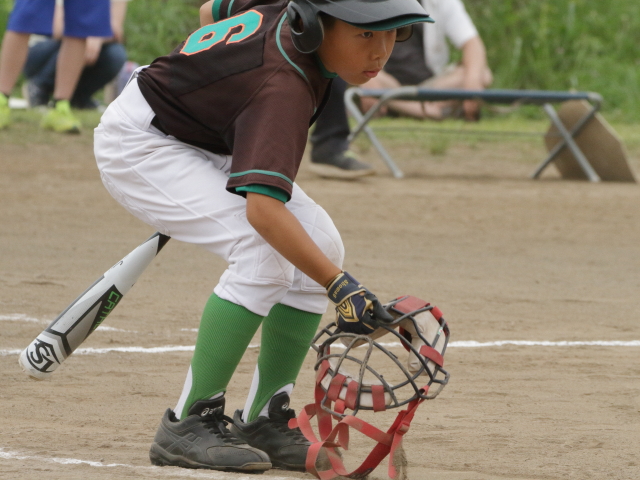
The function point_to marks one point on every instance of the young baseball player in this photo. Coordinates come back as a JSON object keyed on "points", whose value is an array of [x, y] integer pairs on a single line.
{"points": [[204, 145]]}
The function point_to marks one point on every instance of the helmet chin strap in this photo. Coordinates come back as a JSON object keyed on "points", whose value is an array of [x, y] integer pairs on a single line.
{"points": [[332, 437]]}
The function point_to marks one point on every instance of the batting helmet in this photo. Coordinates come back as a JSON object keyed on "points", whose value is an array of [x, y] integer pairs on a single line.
{"points": [[307, 30]]}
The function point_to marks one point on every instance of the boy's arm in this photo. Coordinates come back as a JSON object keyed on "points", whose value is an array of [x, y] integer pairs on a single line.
{"points": [[206, 16], [358, 310], [282, 230]]}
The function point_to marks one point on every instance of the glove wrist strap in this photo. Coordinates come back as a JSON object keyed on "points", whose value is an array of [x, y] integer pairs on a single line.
{"points": [[331, 282], [343, 287]]}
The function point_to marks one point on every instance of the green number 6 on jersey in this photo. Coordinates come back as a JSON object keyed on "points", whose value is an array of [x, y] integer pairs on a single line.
{"points": [[210, 35]]}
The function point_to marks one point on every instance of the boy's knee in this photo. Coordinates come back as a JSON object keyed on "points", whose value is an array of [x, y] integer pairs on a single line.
{"points": [[117, 53]]}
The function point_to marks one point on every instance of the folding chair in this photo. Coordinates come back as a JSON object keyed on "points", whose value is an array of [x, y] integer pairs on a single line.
{"points": [[535, 97]]}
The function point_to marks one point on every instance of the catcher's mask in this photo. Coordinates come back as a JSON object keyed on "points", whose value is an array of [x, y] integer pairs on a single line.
{"points": [[420, 329], [348, 378]]}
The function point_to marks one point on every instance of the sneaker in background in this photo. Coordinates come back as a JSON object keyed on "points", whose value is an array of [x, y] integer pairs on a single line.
{"points": [[344, 166], [202, 440], [36, 95], [5, 111], [60, 119]]}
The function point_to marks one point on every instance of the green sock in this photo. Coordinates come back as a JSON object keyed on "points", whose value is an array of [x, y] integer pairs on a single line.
{"points": [[286, 335], [225, 332]]}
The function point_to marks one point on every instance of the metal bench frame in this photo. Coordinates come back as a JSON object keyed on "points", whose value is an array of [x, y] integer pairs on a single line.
{"points": [[535, 97]]}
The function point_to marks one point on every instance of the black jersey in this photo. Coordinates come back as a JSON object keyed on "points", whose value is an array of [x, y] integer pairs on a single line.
{"points": [[239, 87]]}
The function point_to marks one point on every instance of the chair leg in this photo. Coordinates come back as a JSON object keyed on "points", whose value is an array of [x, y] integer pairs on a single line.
{"points": [[568, 141], [362, 126]]}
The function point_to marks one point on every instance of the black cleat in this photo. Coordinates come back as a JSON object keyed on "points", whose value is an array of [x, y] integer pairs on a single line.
{"points": [[202, 440], [287, 448]]}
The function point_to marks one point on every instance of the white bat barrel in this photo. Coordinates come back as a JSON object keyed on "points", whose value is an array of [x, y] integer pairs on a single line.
{"points": [[87, 312]]}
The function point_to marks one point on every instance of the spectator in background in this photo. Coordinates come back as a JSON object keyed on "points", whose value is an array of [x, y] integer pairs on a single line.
{"points": [[423, 60], [103, 59], [82, 19], [330, 154]]}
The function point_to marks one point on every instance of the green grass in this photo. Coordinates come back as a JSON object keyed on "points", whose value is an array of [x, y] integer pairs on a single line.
{"points": [[542, 44], [515, 130], [565, 44], [518, 127], [155, 27], [25, 129]]}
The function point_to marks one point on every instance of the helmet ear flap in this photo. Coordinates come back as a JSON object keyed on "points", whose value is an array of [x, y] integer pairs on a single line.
{"points": [[306, 27]]}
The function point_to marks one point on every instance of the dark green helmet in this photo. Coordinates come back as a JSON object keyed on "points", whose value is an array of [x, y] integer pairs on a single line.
{"points": [[306, 25]]}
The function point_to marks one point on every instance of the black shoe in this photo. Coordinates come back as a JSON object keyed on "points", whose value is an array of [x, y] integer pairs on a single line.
{"points": [[202, 440], [287, 448], [344, 165], [36, 95], [88, 104]]}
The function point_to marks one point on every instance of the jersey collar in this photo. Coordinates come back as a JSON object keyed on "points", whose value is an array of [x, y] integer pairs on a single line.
{"points": [[325, 73]]}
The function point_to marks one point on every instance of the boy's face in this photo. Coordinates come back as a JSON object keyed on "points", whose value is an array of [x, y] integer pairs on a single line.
{"points": [[356, 55]]}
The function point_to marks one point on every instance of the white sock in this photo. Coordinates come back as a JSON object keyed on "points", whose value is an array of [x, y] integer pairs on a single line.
{"points": [[252, 395]]}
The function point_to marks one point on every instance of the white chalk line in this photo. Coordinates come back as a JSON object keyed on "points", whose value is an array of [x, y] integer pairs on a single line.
{"points": [[21, 317], [156, 471], [460, 344], [544, 343]]}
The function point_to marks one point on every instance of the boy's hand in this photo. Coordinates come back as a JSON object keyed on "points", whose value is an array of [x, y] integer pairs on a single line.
{"points": [[357, 309]]}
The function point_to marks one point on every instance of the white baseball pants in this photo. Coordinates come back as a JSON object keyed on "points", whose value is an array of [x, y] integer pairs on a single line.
{"points": [[180, 190]]}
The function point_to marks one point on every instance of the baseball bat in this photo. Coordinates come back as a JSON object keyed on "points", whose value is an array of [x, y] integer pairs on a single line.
{"points": [[87, 312]]}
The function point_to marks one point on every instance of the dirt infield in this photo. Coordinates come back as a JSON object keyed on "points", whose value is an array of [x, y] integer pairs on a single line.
{"points": [[505, 258]]}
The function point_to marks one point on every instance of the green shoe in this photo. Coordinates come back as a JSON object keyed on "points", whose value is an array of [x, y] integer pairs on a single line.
{"points": [[5, 112], [60, 119]]}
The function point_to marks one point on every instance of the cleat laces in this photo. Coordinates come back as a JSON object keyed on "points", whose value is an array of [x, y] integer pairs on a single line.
{"points": [[217, 422], [281, 423]]}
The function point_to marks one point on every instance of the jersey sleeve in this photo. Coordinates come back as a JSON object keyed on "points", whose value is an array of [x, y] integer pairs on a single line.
{"points": [[271, 134], [272, 192]]}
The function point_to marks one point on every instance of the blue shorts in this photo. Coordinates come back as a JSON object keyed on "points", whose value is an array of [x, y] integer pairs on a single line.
{"points": [[82, 18]]}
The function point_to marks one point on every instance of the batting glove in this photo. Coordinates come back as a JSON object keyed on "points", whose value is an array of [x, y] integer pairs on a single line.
{"points": [[357, 309]]}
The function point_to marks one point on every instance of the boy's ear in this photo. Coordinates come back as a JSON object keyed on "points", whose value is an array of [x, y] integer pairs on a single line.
{"points": [[306, 27]]}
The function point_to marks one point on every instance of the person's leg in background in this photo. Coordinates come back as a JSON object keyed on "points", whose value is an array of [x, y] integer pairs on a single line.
{"points": [[82, 19], [40, 71], [420, 110], [15, 46], [14, 52], [330, 155], [452, 78], [27, 17], [94, 77], [69, 66]]}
